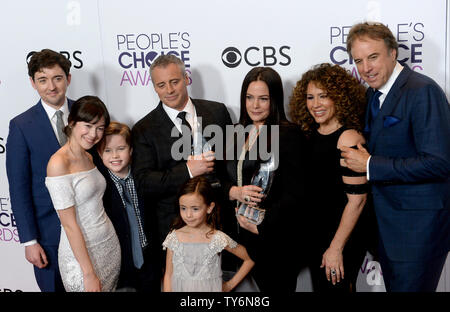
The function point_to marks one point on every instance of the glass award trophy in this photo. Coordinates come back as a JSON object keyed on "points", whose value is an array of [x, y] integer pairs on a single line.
{"points": [[262, 178], [202, 146]]}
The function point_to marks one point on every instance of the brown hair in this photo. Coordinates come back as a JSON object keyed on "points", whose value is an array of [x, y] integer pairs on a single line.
{"points": [[201, 186], [45, 59], [115, 128], [342, 88], [375, 31], [88, 108]]}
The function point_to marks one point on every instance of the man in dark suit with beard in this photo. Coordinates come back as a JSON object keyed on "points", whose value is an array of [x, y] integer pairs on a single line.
{"points": [[157, 167]]}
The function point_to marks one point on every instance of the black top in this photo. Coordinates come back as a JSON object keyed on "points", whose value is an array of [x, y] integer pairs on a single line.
{"points": [[328, 193], [279, 246], [326, 186]]}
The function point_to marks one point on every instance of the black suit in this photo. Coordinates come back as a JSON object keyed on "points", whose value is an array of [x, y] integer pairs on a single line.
{"points": [[280, 245], [147, 278], [157, 175]]}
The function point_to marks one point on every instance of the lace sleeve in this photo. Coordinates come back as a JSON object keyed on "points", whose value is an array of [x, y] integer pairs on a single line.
{"points": [[61, 191], [222, 240], [171, 241]]}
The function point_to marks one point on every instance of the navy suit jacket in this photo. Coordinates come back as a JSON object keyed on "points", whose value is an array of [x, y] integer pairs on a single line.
{"points": [[30, 144], [410, 167]]}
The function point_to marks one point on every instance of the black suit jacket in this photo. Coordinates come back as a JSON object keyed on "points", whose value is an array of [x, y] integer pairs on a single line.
{"points": [[117, 213], [158, 176]]}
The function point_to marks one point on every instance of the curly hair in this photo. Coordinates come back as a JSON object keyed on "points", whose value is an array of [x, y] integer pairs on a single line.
{"points": [[342, 88]]}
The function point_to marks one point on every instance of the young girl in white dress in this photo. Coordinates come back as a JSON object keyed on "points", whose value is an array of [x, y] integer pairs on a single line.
{"points": [[194, 245]]}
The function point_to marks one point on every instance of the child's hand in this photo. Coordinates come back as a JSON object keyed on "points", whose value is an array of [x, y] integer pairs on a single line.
{"points": [[226, 287]]}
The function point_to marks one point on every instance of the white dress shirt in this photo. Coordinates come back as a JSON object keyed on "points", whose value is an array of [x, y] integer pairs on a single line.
{"points": [[51, 113], [191, 118]]}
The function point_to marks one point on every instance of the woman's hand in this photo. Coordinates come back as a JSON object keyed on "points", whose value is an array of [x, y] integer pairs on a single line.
{"points": [[245, 224], [92, 283], [247, 194], [333, 261]]}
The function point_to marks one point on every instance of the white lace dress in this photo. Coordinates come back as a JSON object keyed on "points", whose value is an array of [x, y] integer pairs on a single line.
{"points": [[197, 266], [84, 190]]}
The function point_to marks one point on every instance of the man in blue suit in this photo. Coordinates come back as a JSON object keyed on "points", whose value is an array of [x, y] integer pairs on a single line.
{"points": [[34, 136], [407, 162]]}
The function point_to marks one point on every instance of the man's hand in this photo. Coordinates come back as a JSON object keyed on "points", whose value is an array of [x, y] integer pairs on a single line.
{"points": [[356, 160], [201, 164], [35, 254]]}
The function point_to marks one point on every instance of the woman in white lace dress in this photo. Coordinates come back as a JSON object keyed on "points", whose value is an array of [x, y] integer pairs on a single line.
{"points": [[194, 245], [89, 250]]}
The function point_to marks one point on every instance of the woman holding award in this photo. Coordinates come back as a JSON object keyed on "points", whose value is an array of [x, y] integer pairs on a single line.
{"points": [[266, 180], [328, 103]]}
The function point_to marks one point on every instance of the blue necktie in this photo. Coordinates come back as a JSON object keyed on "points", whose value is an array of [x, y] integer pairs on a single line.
{"points": [[374, 106], [138, 257]]}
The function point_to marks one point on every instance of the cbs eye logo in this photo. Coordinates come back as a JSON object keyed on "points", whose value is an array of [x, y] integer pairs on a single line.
{"points": [[231, 57], [2, 147], [257, 56]]}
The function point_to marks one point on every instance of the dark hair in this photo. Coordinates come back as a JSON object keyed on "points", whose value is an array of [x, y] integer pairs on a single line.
{"points": [[275, 86], [199, 185], [88, 109], [45, 59], [376, 31], [113, 128], [348, 95]]}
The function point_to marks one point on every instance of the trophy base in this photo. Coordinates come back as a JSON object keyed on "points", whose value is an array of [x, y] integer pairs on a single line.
{"points": [[254, 215]]}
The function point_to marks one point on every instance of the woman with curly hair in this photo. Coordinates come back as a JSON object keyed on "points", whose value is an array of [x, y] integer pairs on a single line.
{"points": [[328, 104]]}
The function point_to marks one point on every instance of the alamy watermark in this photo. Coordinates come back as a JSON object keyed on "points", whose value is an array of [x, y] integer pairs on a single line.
{"points": [[228, 145]]}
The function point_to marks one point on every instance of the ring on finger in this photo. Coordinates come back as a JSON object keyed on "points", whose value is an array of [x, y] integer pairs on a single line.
{"points": [[333, 272], [247, 198]]}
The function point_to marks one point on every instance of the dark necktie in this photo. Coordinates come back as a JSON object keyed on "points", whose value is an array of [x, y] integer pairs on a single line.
{"points": [[138, 257], [182, 116], [374, 106], [62, 139]]}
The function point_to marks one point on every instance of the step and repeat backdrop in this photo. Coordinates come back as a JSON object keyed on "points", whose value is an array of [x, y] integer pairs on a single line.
{"points": [[112, 44]]}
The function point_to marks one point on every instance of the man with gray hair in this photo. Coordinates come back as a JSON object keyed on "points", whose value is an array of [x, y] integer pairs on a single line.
{"points": [[158, 173]]}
